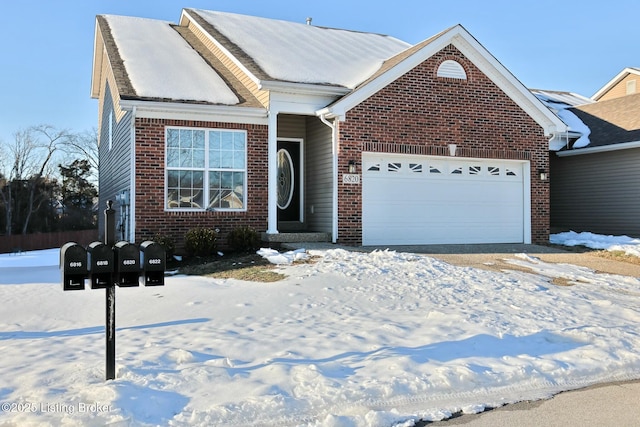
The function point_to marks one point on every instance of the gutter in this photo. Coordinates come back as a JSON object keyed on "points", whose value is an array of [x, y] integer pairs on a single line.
{"points": [[303, 88], [205, 112], [334, 168], [601, 149]]}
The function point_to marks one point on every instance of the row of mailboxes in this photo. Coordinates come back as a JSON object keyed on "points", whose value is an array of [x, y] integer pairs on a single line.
{"points": [[124, 265]]}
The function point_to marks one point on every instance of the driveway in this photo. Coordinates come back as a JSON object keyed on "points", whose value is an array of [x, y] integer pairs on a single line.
{"points": [[492, 256]]}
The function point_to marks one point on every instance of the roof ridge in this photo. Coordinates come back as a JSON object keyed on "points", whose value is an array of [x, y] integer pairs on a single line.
{"points": [[244, 95], [235, 50]]}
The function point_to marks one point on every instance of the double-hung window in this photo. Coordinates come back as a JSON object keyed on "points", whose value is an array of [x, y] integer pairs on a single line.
{"points": [[206, 169]]}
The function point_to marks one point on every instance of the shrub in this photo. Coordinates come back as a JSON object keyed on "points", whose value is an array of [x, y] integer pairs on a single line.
{"points": [[167, 243], [243, 239], [200, 241]]}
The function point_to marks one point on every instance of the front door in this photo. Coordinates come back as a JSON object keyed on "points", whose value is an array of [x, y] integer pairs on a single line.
{"points": [[289, 181]]}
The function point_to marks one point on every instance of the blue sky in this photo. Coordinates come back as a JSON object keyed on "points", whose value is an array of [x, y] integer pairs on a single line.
{"points": [[572, 45]]}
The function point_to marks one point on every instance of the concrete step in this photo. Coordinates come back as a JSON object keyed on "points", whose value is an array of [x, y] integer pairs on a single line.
{"points": [[296, 237]]}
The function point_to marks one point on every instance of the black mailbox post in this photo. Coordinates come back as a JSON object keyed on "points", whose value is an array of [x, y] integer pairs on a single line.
{"points": [[127, 258], [73, 263], [153, 263], [101, 265], [109, 264]]}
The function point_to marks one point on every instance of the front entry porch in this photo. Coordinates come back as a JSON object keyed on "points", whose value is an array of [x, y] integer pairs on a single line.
{"points": [[296, 237], [301, 206]]}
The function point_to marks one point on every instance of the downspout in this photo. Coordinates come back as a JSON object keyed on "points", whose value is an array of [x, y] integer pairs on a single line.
{"points": [[334, 155], [132, 193]]}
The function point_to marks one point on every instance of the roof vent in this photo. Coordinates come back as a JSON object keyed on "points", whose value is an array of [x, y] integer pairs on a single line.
{"points": [[309, 19], [452, 70]]}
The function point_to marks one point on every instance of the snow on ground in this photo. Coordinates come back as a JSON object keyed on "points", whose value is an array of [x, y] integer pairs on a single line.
{"points": [[354, 339], [626, 244]]}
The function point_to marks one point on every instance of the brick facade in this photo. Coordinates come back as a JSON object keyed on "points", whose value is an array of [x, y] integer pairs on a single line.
{"points": [[420, 113], [150, 215]]}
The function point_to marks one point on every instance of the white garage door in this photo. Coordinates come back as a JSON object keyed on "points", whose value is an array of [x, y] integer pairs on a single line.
{"points": [[430, 200]]}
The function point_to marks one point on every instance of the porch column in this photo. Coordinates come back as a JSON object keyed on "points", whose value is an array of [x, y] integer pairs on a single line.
{"points": [[272, 153]]}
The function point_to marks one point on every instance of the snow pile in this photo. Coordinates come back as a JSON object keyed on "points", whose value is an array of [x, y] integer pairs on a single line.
{"points": [[575, 125], [626, 244], [160, 64], [354, 339], [275, 257], [561, 104]]}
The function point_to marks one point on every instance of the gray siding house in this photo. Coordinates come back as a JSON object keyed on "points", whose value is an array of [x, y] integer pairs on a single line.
{"points": [[596, 187]]}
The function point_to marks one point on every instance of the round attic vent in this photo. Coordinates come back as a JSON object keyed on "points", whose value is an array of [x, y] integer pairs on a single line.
{"points": [[451, 69]]}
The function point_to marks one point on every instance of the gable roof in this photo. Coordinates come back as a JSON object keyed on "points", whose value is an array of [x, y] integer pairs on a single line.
{"points": [[617, 79], [157, 63], [284, 51], [459, 37]]}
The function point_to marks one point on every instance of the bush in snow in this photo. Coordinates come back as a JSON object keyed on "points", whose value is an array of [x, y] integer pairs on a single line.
{"points": [[167, 243], [200, 241], [243, 239]]}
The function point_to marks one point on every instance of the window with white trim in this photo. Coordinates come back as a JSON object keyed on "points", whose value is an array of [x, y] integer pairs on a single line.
{"points": [[206, 169]]}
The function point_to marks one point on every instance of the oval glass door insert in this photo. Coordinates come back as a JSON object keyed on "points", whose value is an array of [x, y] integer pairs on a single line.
{"points": [[285, 179]]}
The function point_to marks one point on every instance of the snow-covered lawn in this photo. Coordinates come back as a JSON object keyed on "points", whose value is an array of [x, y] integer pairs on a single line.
{"points": [[355, 339]]}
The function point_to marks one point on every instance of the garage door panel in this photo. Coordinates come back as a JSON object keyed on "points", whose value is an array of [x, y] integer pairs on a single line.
{"points": [[483, 203]]}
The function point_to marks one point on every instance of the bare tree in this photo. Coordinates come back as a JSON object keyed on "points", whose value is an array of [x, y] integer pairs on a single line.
{"points": [[28, 159], [83, 146]]}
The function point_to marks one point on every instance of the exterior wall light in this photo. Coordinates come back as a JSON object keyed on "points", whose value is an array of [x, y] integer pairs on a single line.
{"points": [[543, 174], [352, 166]]}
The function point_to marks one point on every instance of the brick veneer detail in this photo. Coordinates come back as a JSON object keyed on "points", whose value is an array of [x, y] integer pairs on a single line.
{"points": [[427, 112], [151, 218]]}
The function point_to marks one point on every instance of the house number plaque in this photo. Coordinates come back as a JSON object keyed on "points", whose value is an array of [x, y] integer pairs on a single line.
{"points": [[350, 178]]}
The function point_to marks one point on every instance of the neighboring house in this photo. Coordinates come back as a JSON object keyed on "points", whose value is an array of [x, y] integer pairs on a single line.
{"points": [[225, 120], [596, 186]]}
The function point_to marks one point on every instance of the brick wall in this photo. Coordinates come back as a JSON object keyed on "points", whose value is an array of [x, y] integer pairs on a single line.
{"points": [[151, 218], [421, 113]]}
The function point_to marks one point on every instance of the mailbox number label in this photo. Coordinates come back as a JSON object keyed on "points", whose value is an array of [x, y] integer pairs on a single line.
{"points": [[75, 264], [128, 262], [102, 263], [155, 261]]}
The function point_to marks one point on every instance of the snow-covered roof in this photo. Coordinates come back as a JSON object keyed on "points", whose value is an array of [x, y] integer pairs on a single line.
{"points": [[161, 64], [560, 103], [595, 124], [300, 53], [555, 96]]}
